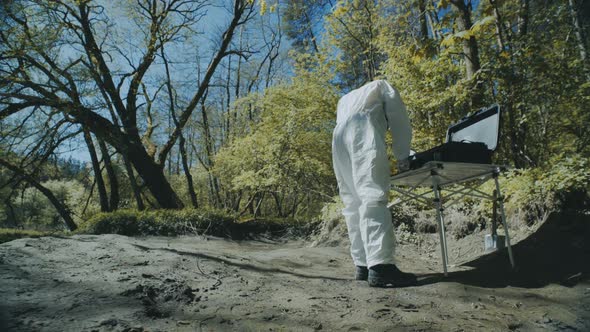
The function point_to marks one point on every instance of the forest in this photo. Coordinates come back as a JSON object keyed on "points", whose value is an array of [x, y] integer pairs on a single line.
{"points": [[229, 106]]}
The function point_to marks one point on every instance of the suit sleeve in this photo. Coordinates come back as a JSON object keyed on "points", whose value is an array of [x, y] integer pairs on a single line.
{"points": [[397, 120]]}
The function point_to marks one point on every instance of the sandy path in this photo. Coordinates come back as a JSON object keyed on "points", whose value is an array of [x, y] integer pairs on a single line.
{"points": [[116, 283]]}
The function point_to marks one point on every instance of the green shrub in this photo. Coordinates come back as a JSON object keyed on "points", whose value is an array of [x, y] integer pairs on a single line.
{"points": [[33, 210], [275, 227], [530, 194], [157, 222], [9, 234], [124, 222], [189, 221]]}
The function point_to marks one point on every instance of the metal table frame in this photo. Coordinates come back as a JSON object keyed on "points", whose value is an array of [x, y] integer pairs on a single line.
{"points": [[459, 180]]}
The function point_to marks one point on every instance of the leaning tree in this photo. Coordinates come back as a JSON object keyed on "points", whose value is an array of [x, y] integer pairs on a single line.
{"points": [[65, 56]]}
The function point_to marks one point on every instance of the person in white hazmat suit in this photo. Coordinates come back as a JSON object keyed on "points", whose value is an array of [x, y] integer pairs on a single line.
{"points": [[363, 174]]}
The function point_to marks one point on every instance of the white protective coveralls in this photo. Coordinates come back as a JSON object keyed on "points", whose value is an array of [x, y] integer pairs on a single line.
{"points": [[362, 167]]}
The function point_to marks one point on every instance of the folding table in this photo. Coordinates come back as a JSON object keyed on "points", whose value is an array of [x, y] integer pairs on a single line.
{"points": [[458, 180]]}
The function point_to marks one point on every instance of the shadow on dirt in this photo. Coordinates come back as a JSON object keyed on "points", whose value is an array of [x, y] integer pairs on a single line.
{"points": [[557, 253], [246, 266]]}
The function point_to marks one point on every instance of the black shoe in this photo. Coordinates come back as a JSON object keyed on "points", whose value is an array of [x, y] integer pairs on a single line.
{"points": [[362, 273], [388, 275]]}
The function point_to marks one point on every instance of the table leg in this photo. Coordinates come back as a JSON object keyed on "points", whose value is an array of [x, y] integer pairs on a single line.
{"points": [[503, 215], [441, 227]]}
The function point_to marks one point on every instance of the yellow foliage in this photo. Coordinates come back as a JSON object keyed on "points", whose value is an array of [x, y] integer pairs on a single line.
{"points": [[289, 149], [480, 25], [443, 4], [340, 11], [466, 34], [263, 6], [449, 40]]}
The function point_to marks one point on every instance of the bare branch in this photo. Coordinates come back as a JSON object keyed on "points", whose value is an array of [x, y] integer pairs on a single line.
{"points": [[243, 11]]}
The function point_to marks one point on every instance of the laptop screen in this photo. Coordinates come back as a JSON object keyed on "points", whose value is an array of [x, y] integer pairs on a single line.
{"points": [[484, 129]]}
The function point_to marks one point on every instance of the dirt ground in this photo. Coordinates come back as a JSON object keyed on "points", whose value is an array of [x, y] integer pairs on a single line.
{"points": [[117, 283]]}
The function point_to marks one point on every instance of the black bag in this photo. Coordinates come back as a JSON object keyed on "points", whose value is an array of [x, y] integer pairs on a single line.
{"points": [[471, 140]]}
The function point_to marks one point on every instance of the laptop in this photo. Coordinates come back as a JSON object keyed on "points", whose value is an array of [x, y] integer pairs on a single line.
{"points": [[471, 140]]}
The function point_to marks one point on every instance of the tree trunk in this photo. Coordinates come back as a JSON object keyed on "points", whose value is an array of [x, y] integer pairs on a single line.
{"points": [[508, 108], [423, 22], [238, 72], [102, 191], [187, 172], [61, 209], [257, 208], [130, 145], [309, 27], [208, 160], [296, 202], [228, 101], [11, 213], [512, 133], [238, 201], [153, 177], [523, 17], [250, 205], [470, 51], [278, 203], [133, 183], [82, 20], [181, 142], [178, 160], [113, 181], [580, 37], [498, 25]]}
